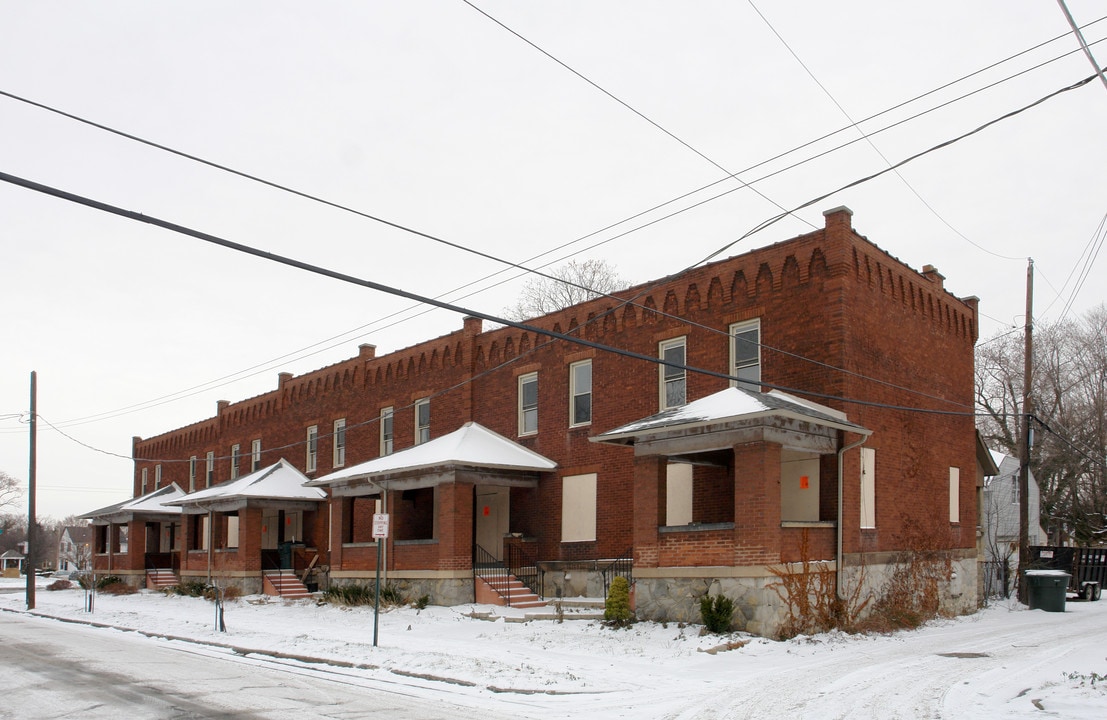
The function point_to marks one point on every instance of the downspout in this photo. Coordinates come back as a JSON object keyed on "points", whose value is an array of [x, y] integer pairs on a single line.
{"points": [[839, 554], [211, 540]]}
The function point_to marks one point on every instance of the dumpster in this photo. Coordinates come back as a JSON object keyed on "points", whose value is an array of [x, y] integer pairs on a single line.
{"points": [[1045, 589]]}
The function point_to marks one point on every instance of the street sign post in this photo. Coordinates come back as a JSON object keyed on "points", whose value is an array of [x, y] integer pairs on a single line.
{"points": [[380, 534]]}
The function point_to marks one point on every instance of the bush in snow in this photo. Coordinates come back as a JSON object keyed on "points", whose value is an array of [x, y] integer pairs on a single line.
{"points": [[716, 612], [59, 585], [617, 610]]}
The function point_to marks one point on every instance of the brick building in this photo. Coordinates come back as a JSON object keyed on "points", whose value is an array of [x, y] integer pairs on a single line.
{"points": [[574, 457]]}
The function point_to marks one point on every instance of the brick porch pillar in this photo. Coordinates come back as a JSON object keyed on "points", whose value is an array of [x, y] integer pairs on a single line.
{"points": [[649, 507], [756, 504]]}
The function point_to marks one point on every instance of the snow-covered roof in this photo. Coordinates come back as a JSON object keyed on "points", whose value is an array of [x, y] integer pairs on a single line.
{"points": [[152, 503], [471, 445], [281, 481], [732, 404]]}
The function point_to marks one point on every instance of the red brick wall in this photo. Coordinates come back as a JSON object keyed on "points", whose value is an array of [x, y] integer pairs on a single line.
{"points": [[828, 299]]}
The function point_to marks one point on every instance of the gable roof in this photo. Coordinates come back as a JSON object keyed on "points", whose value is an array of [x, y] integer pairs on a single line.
{"points": [[729, 406], [281, 481], [471, 445], [149, 504]]}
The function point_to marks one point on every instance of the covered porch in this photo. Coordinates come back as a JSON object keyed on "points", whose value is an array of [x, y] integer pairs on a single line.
{"points": [[139, 540], [452, 506], [726, 489], [262, 532]]}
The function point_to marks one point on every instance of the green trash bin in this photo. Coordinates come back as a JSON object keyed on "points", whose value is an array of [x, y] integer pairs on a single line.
{"points": [[1045, 589]]}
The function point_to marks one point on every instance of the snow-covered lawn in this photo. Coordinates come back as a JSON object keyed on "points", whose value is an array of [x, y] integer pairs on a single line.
{"points": [[1002, 662]]}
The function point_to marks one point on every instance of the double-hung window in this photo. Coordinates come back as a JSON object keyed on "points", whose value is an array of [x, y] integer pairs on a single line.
{"points": [[312, 460], [580, 393], [745, 353], [528, 403], [144, 474], [386, 431], [422, 421], [236, 455], [209, 470], [157, 476], [338, 440], [192, 474], [255, 455], [674, 380]]}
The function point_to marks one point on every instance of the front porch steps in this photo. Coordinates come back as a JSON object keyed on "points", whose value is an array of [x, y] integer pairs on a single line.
{"points": [[508, 591], [570, 609], [160, 579], [284, 584]]}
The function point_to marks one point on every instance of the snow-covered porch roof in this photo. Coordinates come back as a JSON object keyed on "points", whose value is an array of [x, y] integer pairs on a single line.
{"points": [[149, 507], [732, 416], [280, 485], [472, 450]]}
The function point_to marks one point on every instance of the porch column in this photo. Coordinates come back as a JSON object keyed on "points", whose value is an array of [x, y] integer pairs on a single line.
{"points": [[649, 507], [756, 504], [455, 526]]}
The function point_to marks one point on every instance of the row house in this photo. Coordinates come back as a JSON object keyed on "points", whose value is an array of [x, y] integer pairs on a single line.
{"points": [[809, 400]]}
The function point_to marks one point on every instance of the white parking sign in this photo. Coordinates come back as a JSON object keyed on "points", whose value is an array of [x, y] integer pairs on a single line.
{"points": [[380, 525]]}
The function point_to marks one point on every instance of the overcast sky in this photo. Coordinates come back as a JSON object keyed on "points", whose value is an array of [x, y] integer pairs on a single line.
{"points": [[433, 116]]}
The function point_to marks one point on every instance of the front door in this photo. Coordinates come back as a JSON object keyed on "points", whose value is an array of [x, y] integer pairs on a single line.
{"points": [[492, 511]]}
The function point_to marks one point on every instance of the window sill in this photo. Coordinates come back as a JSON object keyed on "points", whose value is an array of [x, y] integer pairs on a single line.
{"points": [[695, 527], [422, 541], [359, 544], [808, 524]]}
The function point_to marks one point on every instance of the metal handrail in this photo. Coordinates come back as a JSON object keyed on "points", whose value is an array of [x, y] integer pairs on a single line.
{"points": [[487, 568], [623, 566], [522, 562]]}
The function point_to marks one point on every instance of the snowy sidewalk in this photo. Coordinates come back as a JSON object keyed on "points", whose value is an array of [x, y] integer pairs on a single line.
{"points": [[1001, 662]]}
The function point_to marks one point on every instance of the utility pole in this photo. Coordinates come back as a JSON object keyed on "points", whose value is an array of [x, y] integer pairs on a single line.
{"points": [[1026, 436], [32, 540]]}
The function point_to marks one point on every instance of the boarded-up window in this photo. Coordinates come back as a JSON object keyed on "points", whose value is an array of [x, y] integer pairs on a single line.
{"points": [[799, 486], [868, 488], [232, 531], [578, 508], [954, 494], [678, 494]]}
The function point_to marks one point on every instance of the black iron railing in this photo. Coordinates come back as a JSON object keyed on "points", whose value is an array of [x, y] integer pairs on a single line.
{"points": [[623, 566], [492, 571], [522, 562]]}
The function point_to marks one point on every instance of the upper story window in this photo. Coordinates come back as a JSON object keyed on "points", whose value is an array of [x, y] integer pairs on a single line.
{"points": [[255, 455], [192, 474], [422, 421], [745, 353], [580, 393], [386, 431], [144, 473], [528, 404], [674, 380], [312, 448], [236, 455], [157, 476], [339, 443], [209, 470]]}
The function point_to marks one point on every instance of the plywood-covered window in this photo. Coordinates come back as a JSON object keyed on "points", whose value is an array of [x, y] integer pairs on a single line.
{"points": [[868, 487], [578, 508]]}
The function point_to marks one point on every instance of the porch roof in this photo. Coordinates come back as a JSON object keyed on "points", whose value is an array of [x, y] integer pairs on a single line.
{"points": [[728, 408], [281, 482], [151, 505], [471, 445]]}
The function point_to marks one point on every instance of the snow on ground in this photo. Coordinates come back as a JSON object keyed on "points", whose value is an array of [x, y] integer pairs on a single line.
{"points": [[1002, 662]]}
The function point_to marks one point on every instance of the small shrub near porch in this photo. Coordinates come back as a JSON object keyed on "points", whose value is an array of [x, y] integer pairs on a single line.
{"points": [[617, 612]]}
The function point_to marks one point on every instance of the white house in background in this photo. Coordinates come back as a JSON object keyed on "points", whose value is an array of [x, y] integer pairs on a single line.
{"points": [[999, 517], [75, 548]]}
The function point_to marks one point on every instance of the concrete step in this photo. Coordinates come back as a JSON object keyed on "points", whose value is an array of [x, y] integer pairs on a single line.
{"points": [[286, 585]]}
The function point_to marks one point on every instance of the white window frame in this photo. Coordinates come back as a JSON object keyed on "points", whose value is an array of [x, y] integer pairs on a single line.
{"points": [[578, 508], [209, 469], [338, 443], [231, 541], [422, 430], [868, 487], [311, 462], [192, 474], [388, 430], [744, 372], [144, 479], [575, 392], [236, 456], [157, 476], [955, 495], [669, 376], [255, 454], [528, 414]]}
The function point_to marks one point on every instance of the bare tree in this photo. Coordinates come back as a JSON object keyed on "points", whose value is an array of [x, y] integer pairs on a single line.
{"points": [[1069, 457], [575, 282], [10, 492]]}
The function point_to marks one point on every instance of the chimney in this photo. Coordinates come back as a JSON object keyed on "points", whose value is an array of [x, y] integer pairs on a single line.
{"points": [[220, 406], [931, 273], [839, 218], [473, 325], [366, 351], [283, 378]]}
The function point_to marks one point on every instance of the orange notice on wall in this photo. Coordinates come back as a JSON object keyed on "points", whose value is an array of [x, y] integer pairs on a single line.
{"points": [[804, 482], [486, 511]]}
